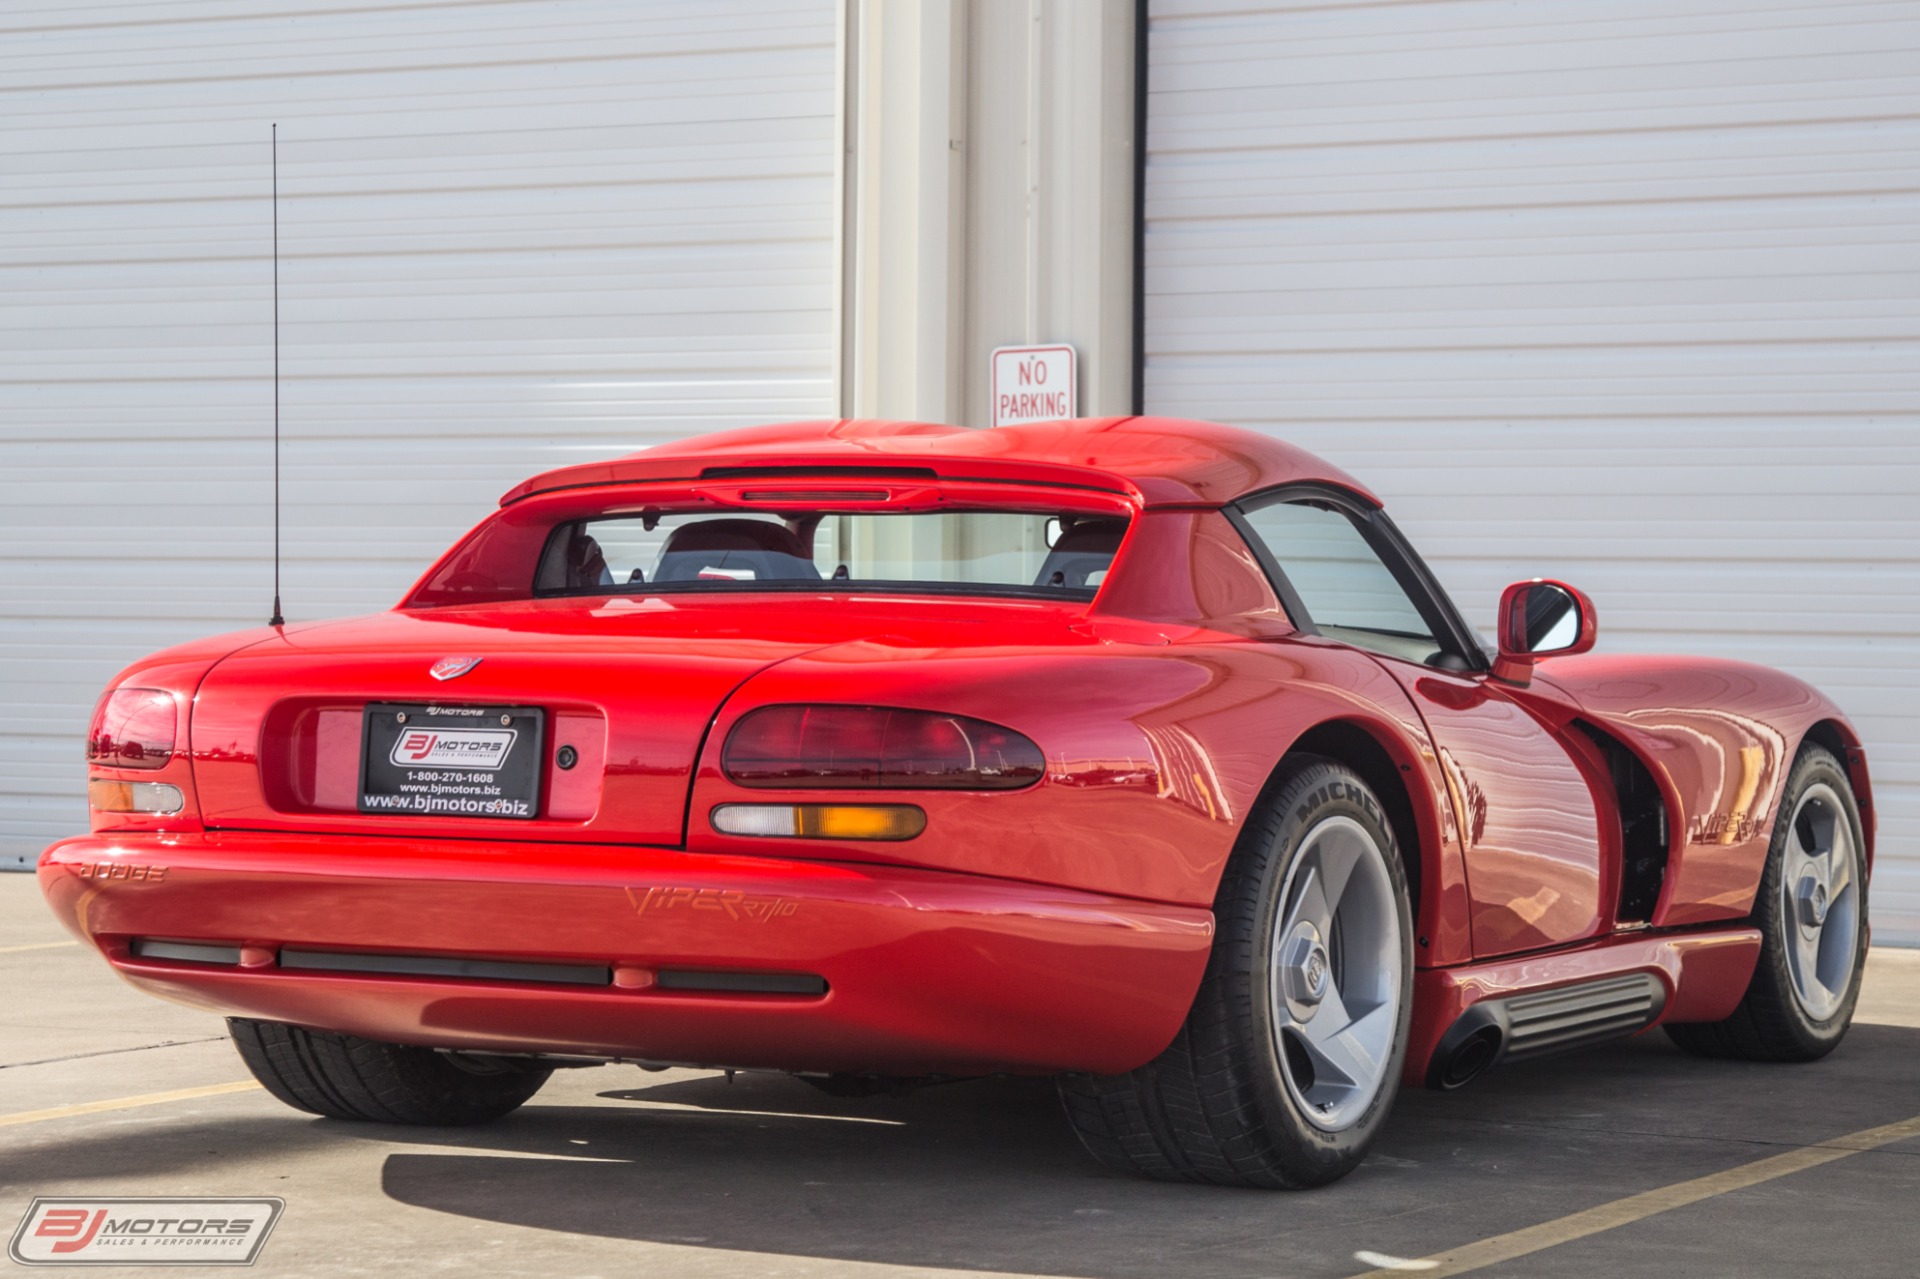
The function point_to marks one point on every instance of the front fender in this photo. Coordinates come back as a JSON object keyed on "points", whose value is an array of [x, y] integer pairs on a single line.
{"points": [[1722, 737]]}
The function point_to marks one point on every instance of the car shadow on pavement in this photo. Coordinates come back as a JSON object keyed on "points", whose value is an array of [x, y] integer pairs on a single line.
{"points": [[986, 1175], [164, 1155]]}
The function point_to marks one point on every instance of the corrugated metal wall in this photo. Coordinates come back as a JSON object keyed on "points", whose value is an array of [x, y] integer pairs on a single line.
{"points": [[513, 235], [1624, 291]]}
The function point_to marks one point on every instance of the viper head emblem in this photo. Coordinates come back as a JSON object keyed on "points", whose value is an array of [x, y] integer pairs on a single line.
{"points": [[452, 667]]}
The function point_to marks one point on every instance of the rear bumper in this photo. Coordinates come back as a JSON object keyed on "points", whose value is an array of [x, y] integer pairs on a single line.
{"points": [[924, 972]]}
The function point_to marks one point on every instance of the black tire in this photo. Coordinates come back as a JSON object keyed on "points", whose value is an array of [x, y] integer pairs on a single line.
{"points": [[346, 1077], [1215, 1106], [1771, 1024]]}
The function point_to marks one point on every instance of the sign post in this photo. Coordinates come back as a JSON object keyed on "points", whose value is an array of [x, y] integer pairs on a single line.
{"points": [[1034, 384]]}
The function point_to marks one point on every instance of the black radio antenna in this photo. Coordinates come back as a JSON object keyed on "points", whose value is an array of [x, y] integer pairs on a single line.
{"points": [[276, 619]]}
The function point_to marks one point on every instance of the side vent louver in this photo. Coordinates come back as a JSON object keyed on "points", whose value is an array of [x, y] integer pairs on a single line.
{"points": [[1643, 827], [1559, 1019]]}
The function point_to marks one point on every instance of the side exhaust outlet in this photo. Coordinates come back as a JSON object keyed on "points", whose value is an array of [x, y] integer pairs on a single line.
{"points": [[1469, 1048]]}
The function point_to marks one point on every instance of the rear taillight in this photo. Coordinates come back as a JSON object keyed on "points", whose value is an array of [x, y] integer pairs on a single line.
{"points": [[132, 728], [877, 748]]}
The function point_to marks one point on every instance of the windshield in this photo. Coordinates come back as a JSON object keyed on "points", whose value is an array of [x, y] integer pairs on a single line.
{"points": [[958, 551]]}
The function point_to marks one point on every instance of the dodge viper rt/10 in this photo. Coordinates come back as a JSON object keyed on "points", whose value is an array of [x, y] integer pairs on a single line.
{"points": [[1139, 752]]}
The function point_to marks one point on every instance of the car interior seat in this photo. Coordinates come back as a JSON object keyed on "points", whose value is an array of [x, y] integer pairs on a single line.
{"points": [[1084, 551], [586, 564], [737, 549]]}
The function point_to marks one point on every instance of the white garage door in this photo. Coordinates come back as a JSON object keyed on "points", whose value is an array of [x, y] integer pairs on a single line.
{"points": [[1625, 291], [512, 235]]}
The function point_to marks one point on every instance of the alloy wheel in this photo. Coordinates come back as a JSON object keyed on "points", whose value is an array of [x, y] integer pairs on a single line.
{"points": [[1820, 902], [1336, 979]]}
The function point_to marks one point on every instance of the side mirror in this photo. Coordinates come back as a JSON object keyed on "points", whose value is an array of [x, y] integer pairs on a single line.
{"points": [[1541, 619]]}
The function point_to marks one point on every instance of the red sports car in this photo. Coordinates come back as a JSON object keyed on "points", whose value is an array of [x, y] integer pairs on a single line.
{"points": [[1140, 752]]}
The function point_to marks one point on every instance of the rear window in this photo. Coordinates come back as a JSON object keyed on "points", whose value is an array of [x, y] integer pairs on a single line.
{"points": [[962, 552]]}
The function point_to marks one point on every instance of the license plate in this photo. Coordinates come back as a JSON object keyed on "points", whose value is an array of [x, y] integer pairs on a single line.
{"points": [[451, 761]]}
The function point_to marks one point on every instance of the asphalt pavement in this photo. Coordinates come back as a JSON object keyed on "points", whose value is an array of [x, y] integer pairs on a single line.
{"points": [[1627, 1160]]}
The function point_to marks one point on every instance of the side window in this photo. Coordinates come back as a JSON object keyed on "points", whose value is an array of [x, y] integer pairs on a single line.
{"points": [[1349, 593]]}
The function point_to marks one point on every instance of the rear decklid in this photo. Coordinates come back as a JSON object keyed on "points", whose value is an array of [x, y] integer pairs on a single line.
{"points": [[629, 685], [282, 731]]}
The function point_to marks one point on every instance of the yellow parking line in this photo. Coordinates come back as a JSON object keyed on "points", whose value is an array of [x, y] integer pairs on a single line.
{"points": [[39, 945], [1621, 1212], [126, 1103]]}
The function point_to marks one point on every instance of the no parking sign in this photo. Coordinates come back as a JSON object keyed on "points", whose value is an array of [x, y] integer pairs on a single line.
{"points": [[1033, 384]]}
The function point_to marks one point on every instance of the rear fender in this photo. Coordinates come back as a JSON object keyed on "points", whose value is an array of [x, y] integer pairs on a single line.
{"points": [[178, 671]]}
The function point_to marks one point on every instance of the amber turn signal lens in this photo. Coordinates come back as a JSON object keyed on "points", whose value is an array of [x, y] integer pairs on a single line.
{"points": [[134, 797], [821, 821]]}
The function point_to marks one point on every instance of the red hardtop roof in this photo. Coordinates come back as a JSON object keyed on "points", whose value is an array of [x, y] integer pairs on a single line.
{"points": [[1159, 461]]}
